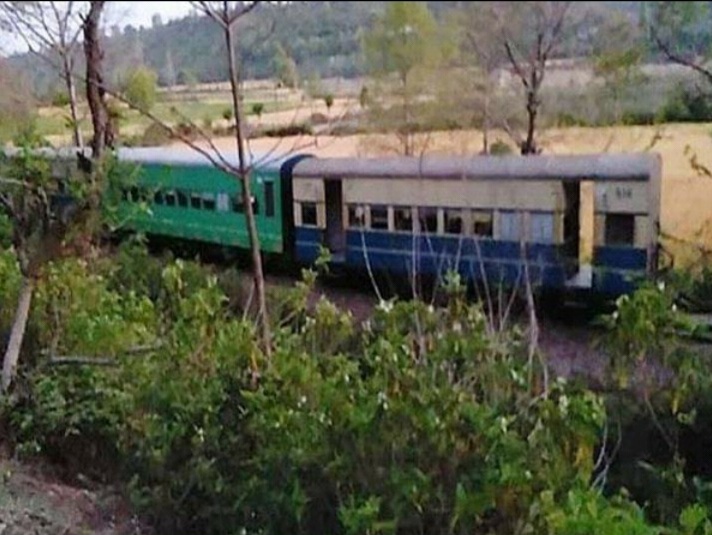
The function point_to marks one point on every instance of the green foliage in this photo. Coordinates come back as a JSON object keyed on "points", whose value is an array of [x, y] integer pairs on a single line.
{"points": [[155, 135], [402, 39], [644, 328], [688, 104], [228, 113], [285, 68], [5, 231], [10, 280], [329, 101], [258, 108], [500, 148], [141, 88], [60, 99], [586, 512], [364, 97]]}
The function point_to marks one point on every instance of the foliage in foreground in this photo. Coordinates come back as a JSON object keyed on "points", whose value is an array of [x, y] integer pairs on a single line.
{"points": [[418, 421]]}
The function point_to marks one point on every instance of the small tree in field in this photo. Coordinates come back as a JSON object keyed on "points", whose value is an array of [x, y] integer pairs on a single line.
{"points": [[257, 109], [141, 88], [403, 50], [530, 32]]}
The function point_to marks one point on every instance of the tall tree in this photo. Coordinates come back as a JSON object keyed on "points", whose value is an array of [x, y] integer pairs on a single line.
{"points": [[531, 33], [96, 91], [481, 49], [404, 43], [51, 31], [226, 15]]}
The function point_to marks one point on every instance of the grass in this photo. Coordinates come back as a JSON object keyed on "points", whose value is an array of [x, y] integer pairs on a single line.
{"points": [[53, 120]]}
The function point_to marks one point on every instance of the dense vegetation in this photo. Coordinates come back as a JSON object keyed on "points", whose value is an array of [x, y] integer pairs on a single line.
{"points": [[145, 371]]}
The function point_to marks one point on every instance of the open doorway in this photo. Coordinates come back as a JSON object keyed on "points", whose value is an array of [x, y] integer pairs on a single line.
{"points": [[579, 232], [335, 237]]}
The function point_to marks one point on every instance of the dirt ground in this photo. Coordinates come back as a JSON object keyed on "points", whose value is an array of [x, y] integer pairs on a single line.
{"points": [[32, 502]]}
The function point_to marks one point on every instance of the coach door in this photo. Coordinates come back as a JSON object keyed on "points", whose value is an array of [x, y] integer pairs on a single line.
{"points": [[335, 237]]}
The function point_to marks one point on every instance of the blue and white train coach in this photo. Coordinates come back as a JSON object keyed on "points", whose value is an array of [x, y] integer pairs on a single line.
{"points": [[582, 223]]}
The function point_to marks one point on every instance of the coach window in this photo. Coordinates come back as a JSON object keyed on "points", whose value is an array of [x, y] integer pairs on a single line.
{"points": [[453, 222], [482, 224], [223, 202], [428, 218], [158, 197], [237, 204], [170, 198], [510, 225], [620, 229], [269, 199], [541, 227], [208, 201], [356, 214], [182, 198], [309, 214], [403, 219], [379, 217], [195, 201]]}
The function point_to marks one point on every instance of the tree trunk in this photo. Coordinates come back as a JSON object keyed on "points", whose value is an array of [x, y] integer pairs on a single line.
{"points": [[94, 82], [12, 353], [529, 146], [485, 123], [258, 274], [408, 145], [72, 92]]}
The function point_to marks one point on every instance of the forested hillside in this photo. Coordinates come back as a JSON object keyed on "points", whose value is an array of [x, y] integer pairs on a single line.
{"points": [[323, 39]]}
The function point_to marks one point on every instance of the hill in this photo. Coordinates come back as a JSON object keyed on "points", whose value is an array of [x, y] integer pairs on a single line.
{"points": [[322, 38]]}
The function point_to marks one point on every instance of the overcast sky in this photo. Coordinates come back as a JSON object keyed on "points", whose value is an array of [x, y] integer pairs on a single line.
{"points": [[117, 13]]}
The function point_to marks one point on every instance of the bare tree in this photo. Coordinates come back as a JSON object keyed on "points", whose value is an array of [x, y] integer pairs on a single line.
{"points": [[226, 15], [51, 30], [531, 33]]}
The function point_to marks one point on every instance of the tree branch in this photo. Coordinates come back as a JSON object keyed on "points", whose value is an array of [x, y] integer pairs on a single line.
{"points": [[679, 59], [515, 63]]}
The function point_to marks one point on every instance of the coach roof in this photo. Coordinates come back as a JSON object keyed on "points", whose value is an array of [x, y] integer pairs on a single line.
{"points": [[640, 166]]}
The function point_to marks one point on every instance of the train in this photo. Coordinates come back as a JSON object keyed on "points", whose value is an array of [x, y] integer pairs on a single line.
{"points": [[490, 219]]}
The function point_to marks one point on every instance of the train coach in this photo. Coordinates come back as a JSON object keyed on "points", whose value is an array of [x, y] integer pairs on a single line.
{"points": [[486, 217], [496, 218]]}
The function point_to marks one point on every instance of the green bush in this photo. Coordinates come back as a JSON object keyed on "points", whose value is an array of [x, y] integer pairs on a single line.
{"points": [[154, 135], [303, 129], [500, 148], [141, 88], [688, 104], [420, 420], [60, 99]]}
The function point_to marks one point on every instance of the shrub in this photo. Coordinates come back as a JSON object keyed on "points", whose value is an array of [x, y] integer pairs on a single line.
{"points": [[60, 99], [500, 148], [303, 129], [154, 136], [687, 104], [228, 113], [141, 88], [258, 108]]}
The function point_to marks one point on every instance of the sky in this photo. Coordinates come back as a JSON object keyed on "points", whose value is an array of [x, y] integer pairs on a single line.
{"points": [[117, 13]]}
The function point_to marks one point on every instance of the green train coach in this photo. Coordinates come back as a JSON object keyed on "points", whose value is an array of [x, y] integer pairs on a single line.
{"points": [[192, 199]]}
